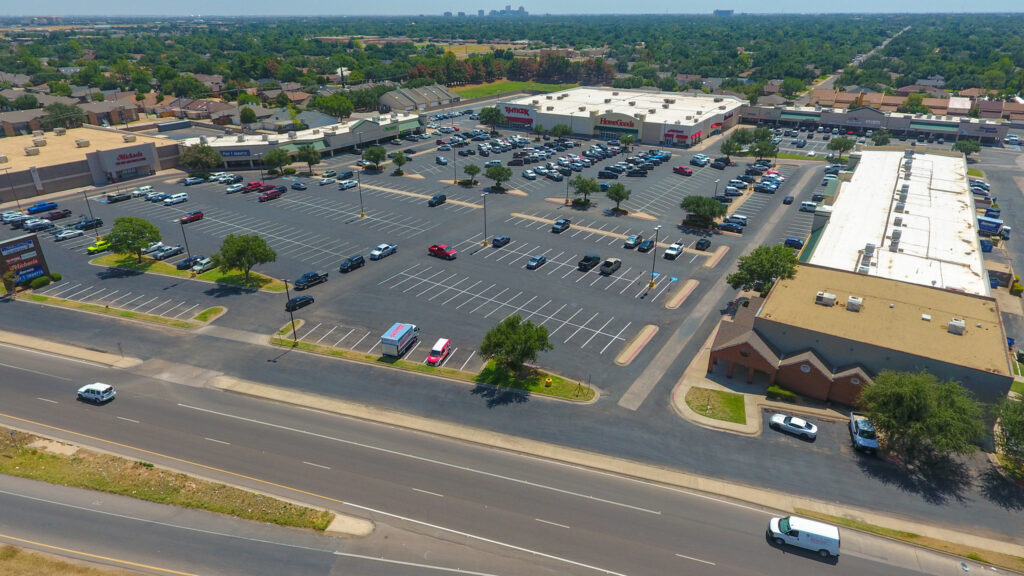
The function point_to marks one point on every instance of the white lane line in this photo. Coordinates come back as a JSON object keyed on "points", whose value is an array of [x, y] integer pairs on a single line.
{"points": [[420, 459], [695, 559], [304, 336], [616, 337], [34, 372], [316, 465], [326, 335], [48, 355], [47, 400], [218, 441], [185, 311], [581, 327], [415, 564], [463, 367], [552, 523], [127, 419], [354, 346], [351, 330], [599, 331], [426, 492]]}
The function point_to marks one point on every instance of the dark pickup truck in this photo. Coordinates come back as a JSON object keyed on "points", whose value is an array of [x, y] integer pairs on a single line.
{"points": [[589, 261], [58, 214]]}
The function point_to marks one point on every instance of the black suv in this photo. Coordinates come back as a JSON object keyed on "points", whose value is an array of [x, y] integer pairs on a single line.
{"points": [[437, 200], [561, 225], [589, 261], [89, 224], [351, 263], [310, 279]]}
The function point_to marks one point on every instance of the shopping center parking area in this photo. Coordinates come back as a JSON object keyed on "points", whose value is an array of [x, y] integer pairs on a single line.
{"points": [[590, 317]]}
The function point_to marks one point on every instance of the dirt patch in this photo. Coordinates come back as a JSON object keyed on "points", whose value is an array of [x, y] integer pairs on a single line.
{"points": [[53, 447]]}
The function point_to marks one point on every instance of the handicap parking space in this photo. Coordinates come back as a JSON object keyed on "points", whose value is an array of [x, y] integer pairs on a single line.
{"points": [[130, 299]]}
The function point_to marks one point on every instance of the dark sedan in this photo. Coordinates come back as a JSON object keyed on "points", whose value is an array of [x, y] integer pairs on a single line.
{"points": [[646, 245], [298, 302], [189, 262]]}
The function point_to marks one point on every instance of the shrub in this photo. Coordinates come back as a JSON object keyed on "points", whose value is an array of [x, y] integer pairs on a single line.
{"points": [[777, 393], [289, 171], [38, 283], [56, 277], [1016, 289], [398, 172]]}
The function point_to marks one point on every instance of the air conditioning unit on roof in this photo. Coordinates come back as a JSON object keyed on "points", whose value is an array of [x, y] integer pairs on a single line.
{"points": [[825, 299], [853, 303]]}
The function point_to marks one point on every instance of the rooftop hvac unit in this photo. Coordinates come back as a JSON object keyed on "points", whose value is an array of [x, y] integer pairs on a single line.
{"points": [[897, 233], [689, 117], [898, 221], [608, 111], [128, 137], [81, 143], [240, 138], [869, 249], [718, 99], [316, 130], [291, 134], [550, 108], [264, 137], [956, 326], [825, 299], [39, 141], [900, 207], [670, 100], [536, 102], [894, 246], [37, 133], [3, 159], [722, 107], [651, 110], [202, 139], [632, 102], [926, 317], [903, 197], [615, 93], [394, 115], [60, 131], [853, 303], [664, 105], [31, 151], [583, 108], [607, 100]]}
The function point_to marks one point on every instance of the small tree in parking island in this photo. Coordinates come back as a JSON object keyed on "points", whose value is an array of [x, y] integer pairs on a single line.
{"points": [[584, 187], [702, 210], [399, 160], [132, 236], [1010, 437], [627, 140], [841, 144], [499, 174], [765, 265], [617, 193], [276, 159], [492, 117], [375, 155], [514, 342], [731, 147], [243, 253], [471, 170], [967, 147], [881, 137], [309, 155], [561, 130]]}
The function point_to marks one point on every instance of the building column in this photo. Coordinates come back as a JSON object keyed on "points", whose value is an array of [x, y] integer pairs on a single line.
{"points": [[728, 369], [750, 374], [711, 363]]}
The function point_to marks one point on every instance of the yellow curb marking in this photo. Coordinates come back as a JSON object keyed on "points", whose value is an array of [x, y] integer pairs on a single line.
{"points": [[96, 556], [633, 348], [681, 293]]}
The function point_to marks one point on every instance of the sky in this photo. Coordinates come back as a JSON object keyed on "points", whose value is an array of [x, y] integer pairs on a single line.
{"points": [[417, 7]]}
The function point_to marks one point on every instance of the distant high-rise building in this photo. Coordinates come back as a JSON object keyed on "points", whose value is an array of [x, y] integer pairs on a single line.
{"points": [[480, 13], [462, 14], [507, 11], [722, 12], [447, 14]]}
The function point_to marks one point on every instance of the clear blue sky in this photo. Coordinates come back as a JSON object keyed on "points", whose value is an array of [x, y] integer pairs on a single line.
{"points": [[414, 7]]}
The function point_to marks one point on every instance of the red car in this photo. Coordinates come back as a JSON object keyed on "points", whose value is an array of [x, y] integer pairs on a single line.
{"points": [[270, 195], [442, 251], [684, 170], [252, 187], [58, 214], [192, 217]]}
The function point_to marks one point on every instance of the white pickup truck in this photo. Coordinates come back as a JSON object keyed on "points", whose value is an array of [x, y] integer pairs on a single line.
{"points": [[862, 433]]}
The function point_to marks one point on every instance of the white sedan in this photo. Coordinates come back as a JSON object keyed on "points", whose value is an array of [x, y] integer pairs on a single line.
{"points": [[327, 181], [235, 188], [793, 425], [529, 174], [68, 233], [346, 184], [383, 250]]}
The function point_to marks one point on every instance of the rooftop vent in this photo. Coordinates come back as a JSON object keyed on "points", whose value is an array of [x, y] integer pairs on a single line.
{"points": [[264, 137], [719, 99], [926, 317], [202, 139], [722, 107], [863, 269], [670, 100], [549, 97], [37, 133], [632, 102], [905, 188], [664, 105], [898, 221], [651, 110], [60, 131], [550, 108], [956, 326], [825, 299], [607, 100], [81, 143], [39, 141], [240, 138], [129, 137], [853, 303], [31, 151], [583, 108], [900, 207], [536, 101], [615, 93], [291, 134]]}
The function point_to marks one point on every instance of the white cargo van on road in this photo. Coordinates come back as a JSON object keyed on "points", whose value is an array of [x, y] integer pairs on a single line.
{"points": [[807, 534]]}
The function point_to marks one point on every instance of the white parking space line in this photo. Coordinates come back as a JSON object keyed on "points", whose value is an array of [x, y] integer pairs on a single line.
{"points": [[166, 312], [660, 292], [63, 289], [186, 311], [422, 280], [310, 332], [333, 328], [616, 337], [79, 292], [125, 295], [162, 304], [345, 336], [581, 327], [565, 322], [506, 303], [448, 357], [537, 310], [486, 300], [144, 303], [439, 284], [599, 331], [516, 310], [354, 346]]}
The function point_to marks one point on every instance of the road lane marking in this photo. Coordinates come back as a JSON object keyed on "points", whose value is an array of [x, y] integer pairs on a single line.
{"points": [[47, 354], [96, 556], [127, 419], [427, 492], [463, 367], [696, 559], [47, 400], [218, 441], [412, 564], [552, 523], [316, 465], [29, 370]]}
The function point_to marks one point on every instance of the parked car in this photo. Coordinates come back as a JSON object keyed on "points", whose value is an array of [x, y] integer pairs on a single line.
{"points": [[41, 207], [723, 198], [141, 191], [588, 261], [326, 181], [329, 174], [793, 425], [437, 200], [269, 195], [351, 263], [634, 241], [167, 251], [58, 214], [442, 251], [67, 234], [702, 244], [298, 186], [192, 181], [193, 216], [100, 245], [310, 279], [37, 225], [203, 265], [529, 174], [536, 262], [153, 247], [118, 197], [189, 262], [298, 302], [439, 352], [787, 200], [673, 251], [346, 184], [646, 245], [719, 165], [731, 227], [235, 188], [383, 250], [561, 225], [441, 161], [97, 393], [500, 241]]}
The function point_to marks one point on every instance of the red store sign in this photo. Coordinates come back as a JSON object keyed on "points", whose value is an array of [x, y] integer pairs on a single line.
{"points": [[619, 123], [521, 111], [131, 158]]}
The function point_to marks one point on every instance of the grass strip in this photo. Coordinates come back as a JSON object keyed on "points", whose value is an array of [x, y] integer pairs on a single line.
{"points": [[118, 312], [16, 561], [975, 172], [717, 404], [534, 381], [148, 265], [962, 550], [21, 456], [501, 87], [209, 313]]}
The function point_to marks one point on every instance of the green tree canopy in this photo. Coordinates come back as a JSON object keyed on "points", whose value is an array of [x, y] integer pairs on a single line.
{"points": [[201, 157], [764, 149], [561, 130], [916, 412], [791, 87], [276, 158], [246, 98], [702, 209], [132, 236], [765, 264], [471, 170], [914, 105], [881, 137], [309, 155], [731, 146], [375, 155], [514, 342], [617, 193], [243, 252], [584, 187], [966, 146], [337, 105], [1010, 436], [499, 174], [25, 102], [492, 117], [626, 140], [247, 116], [399, 160], [841, 144], [63, 115]]}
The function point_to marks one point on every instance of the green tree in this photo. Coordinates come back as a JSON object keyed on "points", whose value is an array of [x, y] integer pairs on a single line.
{"points": [[399, 160], [247, 116], [276, 159], [584, 187], [765, 264], [337, 105], [761, 133], [561, 130], [243, 252], [492, 117], [626, 140], [1010, 436], [471, 170], [967, 147], [841, 144], [201, 157], [916, 412], [63, 115], [744, 137], [10, 280], [132, 236], [246, 98], [375, 155], [731, 146], [25, 102], [309, 155], [514, 342], [914, 105], [703, 210], [538, 129], [499, 174], [59, 89], [790, 87], [764, 149], [881, 137], [617, 193]]}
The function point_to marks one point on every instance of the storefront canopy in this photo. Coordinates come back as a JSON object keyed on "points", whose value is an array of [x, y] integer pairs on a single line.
{"points": [[928, 127]]}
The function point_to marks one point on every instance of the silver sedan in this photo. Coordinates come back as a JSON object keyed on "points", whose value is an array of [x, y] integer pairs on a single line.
{"points": [[793, 425]]}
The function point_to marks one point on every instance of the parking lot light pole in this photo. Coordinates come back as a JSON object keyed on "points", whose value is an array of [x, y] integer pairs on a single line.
{"points": [[484, 196], [567, 181], [185, 238], [654, 254], [259, 157], [716, 187], [359, 186], [291, 314], [91, 217]]}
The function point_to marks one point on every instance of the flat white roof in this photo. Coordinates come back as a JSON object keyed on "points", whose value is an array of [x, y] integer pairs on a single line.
{"points": [[301, 136], [936, 228], [687, 109]]}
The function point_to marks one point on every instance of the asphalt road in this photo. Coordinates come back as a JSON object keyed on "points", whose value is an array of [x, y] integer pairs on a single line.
{"points": [[568, 519]]}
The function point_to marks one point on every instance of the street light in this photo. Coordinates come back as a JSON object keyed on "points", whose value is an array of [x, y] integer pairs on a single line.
{"points": [[185, 238], [567, 181], [716, 187], [359, 187], [91, 217], [288, 294], [260, 158], [10, 183], [484, 196], [654, 254]]}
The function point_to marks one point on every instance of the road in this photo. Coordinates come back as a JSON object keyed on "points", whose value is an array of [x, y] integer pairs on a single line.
{"points": [[565, 519]]}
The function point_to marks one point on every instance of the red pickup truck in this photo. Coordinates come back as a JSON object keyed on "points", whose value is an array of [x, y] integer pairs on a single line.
{"points": [[58, 214], [442, 251]]}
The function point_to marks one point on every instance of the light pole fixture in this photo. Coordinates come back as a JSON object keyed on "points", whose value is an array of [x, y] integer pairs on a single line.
{"points": [[654, 254], [359, 186], [14, 193], [484, 196], [716, 187], [291, 314], [567, 181], [185, 238], [91, 217], [259, 157]]}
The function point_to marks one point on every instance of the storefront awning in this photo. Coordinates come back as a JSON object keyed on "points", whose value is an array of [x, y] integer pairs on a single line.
{"points": [[800, 116], [928, 127], [317, 145], [409, 125]]}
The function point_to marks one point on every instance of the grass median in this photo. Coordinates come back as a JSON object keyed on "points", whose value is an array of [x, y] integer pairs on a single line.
{"points": [[209, 314], [28, 456], [505, 86], [148, 265], [118, 312], [717, 404], [16, 561]]}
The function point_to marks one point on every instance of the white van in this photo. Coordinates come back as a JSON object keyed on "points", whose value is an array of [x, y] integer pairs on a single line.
{"points": [[808, 206], [803, 533], [737, 219], [176, 198]]}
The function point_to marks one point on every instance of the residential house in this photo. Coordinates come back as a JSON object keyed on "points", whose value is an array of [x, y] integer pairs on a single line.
{"points": [[214, 82], [990, 109], [109, 113], [17, 80], [44, 100], [935, 80], [21, 122], [423, 98], [920, 88]]}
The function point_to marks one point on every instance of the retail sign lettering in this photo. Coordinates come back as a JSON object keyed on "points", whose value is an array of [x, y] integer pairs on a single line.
{"points": [[615, 122], [520, 111], [130, 158], [24, 257], [234, 152]]}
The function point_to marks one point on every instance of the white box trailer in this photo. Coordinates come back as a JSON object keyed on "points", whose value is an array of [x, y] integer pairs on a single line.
{"points": [[398, 339]]}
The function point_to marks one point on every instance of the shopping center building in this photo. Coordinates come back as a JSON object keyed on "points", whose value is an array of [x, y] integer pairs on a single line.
{"points": [[655, 117]]}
